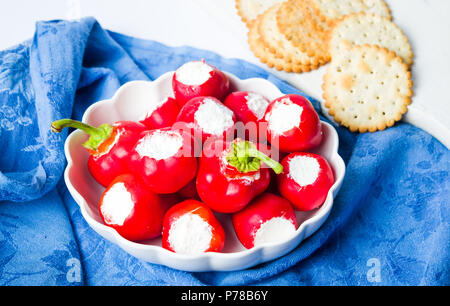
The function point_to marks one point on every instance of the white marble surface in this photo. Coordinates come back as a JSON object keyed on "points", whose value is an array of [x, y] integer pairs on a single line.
{"points": [[214, 25]]}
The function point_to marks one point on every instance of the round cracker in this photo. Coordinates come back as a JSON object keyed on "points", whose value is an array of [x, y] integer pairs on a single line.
{"points": [[362, 28], [304, 30], [275, 41], [378, 7], [267, 57], [249, 10], [367, 88], [330, 11]]}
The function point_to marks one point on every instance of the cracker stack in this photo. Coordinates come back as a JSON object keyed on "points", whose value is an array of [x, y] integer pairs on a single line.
{"points": [[367, 86]]}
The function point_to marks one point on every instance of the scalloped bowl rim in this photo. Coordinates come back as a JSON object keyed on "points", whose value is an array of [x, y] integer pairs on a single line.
{"points": [[176, 260]]}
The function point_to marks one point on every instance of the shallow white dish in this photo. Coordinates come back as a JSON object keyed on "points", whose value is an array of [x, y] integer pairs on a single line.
{"points": [[129, 102]]}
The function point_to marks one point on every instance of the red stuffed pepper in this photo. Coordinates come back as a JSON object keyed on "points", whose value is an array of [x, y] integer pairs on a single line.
{"points": [[306, 180], [195, 79], [231, 174], [108, 144], [189, 191], [293, 124], [164, 159], [162, 114], [249, 108], [131, 209], [190, 227], [268, 218], [208, 117]]}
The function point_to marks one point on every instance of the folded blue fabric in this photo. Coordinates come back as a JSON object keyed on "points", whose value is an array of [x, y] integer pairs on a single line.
{"points": [[389, 224]]}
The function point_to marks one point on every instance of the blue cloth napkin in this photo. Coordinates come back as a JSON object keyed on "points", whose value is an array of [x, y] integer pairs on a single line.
{"points": [[389, 224]]}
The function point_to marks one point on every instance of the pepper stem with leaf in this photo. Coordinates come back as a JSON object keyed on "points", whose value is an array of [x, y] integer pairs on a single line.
{"points": [[96, 134], [245, 157]]}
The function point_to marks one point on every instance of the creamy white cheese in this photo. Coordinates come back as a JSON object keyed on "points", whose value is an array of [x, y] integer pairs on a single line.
{"points": [[190, 234], [117, 204], [257, 104], [274, 230], [284, 116], [194, 73], [304, 170], [159, 145], [213, 117]]}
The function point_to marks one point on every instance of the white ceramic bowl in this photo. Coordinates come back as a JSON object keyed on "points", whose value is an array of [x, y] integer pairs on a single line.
{"points": [[129, 102]]}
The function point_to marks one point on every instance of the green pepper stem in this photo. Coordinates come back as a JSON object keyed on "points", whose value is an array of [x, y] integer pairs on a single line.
{"points": [[245, 157], [96, 134]]}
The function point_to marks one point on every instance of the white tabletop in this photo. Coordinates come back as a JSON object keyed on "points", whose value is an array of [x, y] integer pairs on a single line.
{"points": [[214, 25]]}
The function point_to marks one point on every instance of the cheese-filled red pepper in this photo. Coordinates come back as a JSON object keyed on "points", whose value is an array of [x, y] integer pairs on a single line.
{"points": [[190, 227], [162, 114], [135, 212], [195, 79], [189, 191], [231, 174], [164, 159], [208, 117], [108, 144], [249, 108], [268, 218], [306, 180], [293, 124]]}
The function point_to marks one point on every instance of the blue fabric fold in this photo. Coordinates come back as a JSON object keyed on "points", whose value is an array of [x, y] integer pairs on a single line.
{"points": [[389, 224]]}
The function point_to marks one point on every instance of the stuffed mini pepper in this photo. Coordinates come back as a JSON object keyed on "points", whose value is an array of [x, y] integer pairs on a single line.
{"points": [[306, 180], [292, 124], [190, 227], [196, 79], [135, 212], [231, 174], [108, 144], [268, 218], [164, 159], [208, 117]]}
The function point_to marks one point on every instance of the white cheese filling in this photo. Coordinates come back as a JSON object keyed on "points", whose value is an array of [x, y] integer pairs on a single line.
{"points": [[190, 234], [117, 204], [257, 104], [304, 170], [284, 116], [194, 73], [160, 145], [274, 230], [213, 117]]}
